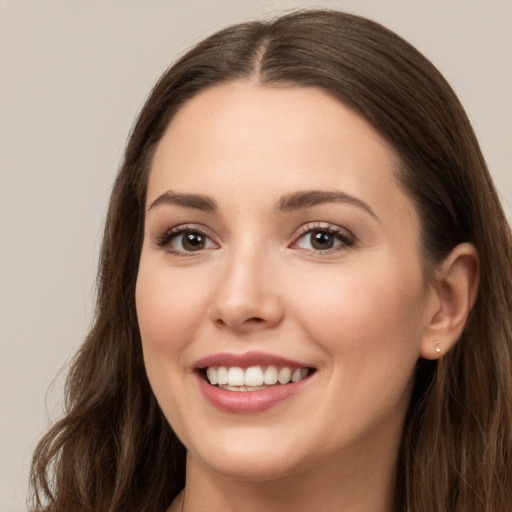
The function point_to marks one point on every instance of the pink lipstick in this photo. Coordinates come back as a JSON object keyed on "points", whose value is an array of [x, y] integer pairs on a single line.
{"points": [[250, 382]]}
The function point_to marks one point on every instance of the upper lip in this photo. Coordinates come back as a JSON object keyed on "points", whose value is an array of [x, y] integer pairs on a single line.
{"points": [[247, 359]]}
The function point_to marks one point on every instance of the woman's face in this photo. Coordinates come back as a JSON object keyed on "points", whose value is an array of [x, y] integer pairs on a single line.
{"points": [[279, 244]]}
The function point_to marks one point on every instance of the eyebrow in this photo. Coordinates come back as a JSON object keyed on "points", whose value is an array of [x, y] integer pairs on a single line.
{"points": [[287, 203], [306, 199], [196, 201]]}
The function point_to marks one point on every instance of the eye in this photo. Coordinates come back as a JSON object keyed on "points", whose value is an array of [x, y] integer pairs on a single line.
{"points": [[186, 240], [323, 239], [191, 241]]}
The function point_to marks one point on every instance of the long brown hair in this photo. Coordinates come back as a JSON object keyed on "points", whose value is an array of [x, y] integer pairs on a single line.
{"points": [[114, 451]]}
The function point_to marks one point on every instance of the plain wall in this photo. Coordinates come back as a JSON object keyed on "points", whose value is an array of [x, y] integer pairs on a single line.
{"points": [[73, 75]]}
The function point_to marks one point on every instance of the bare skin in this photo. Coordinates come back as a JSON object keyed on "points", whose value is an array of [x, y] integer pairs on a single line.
{"points": [[275, 223]]}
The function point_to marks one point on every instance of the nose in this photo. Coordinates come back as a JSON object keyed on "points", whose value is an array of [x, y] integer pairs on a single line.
{"points": [[247, 297]]}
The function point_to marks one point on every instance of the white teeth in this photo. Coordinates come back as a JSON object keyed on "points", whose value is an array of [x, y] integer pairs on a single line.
{"points": [[222, 375], [270, 376], [299, 374], [244, 388], [236, 376], [211, 373], [285, 375], [253, 378]]}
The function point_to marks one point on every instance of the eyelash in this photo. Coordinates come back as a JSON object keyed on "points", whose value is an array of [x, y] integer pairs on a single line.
{"points": [[346, 238], [165, 240]]}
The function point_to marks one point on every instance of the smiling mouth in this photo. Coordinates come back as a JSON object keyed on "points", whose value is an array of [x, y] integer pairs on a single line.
{"points": [[253, 378]]}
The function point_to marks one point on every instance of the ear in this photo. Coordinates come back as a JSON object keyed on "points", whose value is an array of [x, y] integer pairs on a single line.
{"points": [[454, 293]]}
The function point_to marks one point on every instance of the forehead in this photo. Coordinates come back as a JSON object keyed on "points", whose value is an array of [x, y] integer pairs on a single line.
{"points": [[246, 114], [246, 140]]}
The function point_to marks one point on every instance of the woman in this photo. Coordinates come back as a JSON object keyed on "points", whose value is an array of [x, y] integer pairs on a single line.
{"points": [[305, 291]]}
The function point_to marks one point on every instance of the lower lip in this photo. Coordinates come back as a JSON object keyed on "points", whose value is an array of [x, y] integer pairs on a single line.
{"points": [[245, 402]]}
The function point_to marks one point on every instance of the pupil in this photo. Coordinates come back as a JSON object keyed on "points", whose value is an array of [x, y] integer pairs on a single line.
{"points": [[193, 241], [320, 240]]}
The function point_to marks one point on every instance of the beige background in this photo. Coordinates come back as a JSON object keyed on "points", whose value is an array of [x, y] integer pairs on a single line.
{"points": [[73, 74]]}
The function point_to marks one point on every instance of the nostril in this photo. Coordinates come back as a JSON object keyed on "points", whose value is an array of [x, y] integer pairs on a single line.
{"points": [[220, 322], [248, 322]]}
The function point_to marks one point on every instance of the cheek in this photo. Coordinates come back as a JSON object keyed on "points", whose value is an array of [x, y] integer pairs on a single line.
{"points": [[168, 308], [364, 318], [168, 312], [370, 327]]}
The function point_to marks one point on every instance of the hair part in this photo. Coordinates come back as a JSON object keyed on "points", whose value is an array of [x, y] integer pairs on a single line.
{"points": [[114, 451]]}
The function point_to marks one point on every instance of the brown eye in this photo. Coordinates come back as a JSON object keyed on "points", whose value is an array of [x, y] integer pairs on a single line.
{"points": [[321, 240], [190, 241], [324, 239]]}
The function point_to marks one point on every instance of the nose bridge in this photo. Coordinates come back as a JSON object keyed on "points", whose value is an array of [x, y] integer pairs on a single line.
{"points": [[246, 295]]}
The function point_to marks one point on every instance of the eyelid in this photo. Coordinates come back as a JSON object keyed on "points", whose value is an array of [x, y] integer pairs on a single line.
{"points": [[344, 235], [163, 241], [347, 239]]}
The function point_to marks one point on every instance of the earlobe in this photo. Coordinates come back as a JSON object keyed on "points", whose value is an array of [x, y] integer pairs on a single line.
{"points": [[455, 291]]}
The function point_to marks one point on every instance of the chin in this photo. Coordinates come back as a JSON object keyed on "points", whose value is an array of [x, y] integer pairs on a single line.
{"points": [[249, 458], [243, 468]]}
